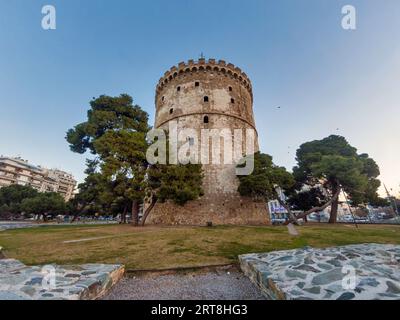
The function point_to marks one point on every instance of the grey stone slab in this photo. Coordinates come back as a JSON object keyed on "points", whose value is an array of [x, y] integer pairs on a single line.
{"points": [[56, 282], [355, 272]]}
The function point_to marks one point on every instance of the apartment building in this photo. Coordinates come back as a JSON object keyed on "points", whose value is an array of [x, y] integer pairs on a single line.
{"points": [[20, 172], [65, 182]]}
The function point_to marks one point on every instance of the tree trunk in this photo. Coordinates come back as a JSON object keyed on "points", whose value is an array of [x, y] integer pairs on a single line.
{"points": [[76, 216], [292, 217], [80, 210], [135, 213], [322, 208], [123, 217], [334, 207], [148, 210]]}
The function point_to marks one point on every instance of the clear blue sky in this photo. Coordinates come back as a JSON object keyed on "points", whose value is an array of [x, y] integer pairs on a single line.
{"points": [[325, 79]]}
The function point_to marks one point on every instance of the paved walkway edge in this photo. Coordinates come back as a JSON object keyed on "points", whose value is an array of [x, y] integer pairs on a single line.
{"points": [[354, 272], [55, 282]]}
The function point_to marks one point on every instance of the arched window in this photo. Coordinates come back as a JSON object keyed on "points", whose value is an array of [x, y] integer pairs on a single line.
{"points": [[171, 111], [232, 100], [178, 89], [205, 120], [230, 88], [205, 99]]}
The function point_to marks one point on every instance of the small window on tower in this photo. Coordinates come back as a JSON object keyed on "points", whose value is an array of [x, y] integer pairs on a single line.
{"points": [[178, 89], [171, 111], [232, 100], [230, 89], [197, 84], [191, 141], [163, 98], [205, 99], [206, 119]]}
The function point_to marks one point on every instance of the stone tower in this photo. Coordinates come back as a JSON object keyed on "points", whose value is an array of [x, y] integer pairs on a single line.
{"points": [[207, 94]]}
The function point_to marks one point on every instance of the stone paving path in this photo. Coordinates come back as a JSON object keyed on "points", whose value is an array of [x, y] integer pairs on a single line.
{"points": [[83, 282], [355, 272], [215, 285]]}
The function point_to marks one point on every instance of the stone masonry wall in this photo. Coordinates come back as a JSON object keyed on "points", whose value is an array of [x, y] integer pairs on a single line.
{"points": [[222, 210], [209, 95]]}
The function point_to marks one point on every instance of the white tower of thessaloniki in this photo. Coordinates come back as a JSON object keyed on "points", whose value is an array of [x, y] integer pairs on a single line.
{"points": [[207, 94]]}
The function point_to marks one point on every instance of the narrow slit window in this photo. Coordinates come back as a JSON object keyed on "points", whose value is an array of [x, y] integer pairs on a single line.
{"points": [[206, 120], [171, 111], [232, 100]]}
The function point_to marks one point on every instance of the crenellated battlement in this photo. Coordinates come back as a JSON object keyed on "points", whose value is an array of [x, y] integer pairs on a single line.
{"points": [[203, 65]]}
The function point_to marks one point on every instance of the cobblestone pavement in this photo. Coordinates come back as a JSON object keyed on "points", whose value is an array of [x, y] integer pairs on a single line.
{"points": [[355, 272], [83, 282], [218, 285]]}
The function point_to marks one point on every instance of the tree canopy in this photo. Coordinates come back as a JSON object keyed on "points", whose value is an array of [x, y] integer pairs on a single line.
{"points": [[45, 204], [265, 180], [107, 114], [12, 196], [333, 164], [17, 199], [262, 182], [324, 168], [120, 175]]}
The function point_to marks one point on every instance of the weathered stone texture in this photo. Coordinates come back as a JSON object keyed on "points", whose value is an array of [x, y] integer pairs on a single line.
{"points": [[234, 210], [180, 97], [77, 282], [354, 272]]}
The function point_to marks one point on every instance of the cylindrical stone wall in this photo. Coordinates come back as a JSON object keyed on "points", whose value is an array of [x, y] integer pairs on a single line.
{"points": [[209, 95]]}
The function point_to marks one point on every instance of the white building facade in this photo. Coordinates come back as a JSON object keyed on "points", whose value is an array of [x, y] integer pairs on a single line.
{"points": [[16, 171]]}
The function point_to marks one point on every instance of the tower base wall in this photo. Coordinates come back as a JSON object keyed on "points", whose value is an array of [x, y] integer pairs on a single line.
{"points": [[229, 210]]}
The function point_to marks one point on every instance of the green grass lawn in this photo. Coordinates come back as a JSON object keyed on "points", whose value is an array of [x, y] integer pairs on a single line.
{"points": [[170, 247]]}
